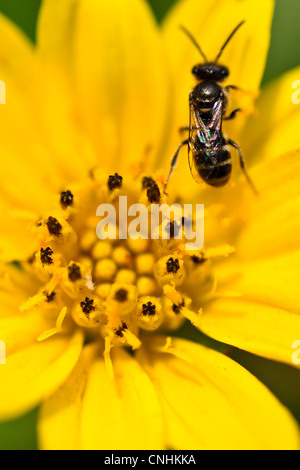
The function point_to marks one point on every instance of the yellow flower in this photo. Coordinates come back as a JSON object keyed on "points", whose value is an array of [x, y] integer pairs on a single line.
{"points": [[90, 117]]}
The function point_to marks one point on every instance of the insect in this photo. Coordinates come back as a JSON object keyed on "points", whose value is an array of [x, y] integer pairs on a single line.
{"points": [[208, 148]]}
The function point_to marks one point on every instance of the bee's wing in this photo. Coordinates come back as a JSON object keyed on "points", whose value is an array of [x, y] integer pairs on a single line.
{"points": [[195, 126], [190, 157], [211, 131], [216, 122], [204, 135]]}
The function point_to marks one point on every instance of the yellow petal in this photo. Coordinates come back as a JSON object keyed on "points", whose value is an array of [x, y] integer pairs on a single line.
{"points": [[266, 269], [40, 112], [123, 414], [113, 54], [12, 245], [122, 78], [274, 127], [211, 22], [273, 281], [56, 30], [19, 331], [258, 328], [214, 403], [273, 217], [60, 113], [23, 158], [15, 288], [17, 66], [59, 418], [33, 373]]}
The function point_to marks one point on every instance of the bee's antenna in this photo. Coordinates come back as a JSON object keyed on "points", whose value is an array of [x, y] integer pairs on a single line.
{"points": [[229, 38], [193, 41]]}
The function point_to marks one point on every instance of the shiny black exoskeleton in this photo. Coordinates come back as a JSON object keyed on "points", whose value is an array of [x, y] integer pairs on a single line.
{"points": [[209, 154]]}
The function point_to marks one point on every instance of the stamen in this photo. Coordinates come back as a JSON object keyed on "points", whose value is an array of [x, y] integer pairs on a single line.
{"points": [[169, 349], [167, 345], [54, 227], [132, 340], [198, 259], [122, 299], [49, 297], [31, 259], [153, 194], [121, 295], [61, 318], [193, 317], [107, 358], [172, 294], [88, 306], [32, 302], [177, 308], [46, 256], [149, 313], [222, 250], [120, 331], [170, 270], [89, 313], [147, 182], [173, 265], [173, 228], [173, 317], [148, 309], [66, 199], [116, 289], [114, 181], [179, 354], [47, 334], [74, 272], [58, 326], [49, 288]]}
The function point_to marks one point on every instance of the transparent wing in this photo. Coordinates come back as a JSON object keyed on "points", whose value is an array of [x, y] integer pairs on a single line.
{"points": [[204, 137]]}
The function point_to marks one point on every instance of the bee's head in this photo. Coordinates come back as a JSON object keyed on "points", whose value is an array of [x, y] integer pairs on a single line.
{"points": [[210, 71]]}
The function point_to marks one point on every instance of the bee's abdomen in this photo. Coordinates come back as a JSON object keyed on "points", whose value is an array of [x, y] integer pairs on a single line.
{"points": [[214, 170]]}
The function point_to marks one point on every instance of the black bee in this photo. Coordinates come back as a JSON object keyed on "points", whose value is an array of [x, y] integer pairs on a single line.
{"points": [[209, 154]]}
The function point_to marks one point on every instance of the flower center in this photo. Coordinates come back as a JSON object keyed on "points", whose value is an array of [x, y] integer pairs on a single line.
{"points": [[119, 288]]}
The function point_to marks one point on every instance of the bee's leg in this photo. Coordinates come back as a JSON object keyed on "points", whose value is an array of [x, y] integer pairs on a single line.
{"points": [[232, 87], [242, 164], [252, 94], [186, 128], [174, 161], [232, 115]]}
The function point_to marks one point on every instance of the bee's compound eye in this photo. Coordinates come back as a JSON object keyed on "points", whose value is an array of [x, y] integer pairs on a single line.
{"points": [[202, 71], [224, 72], [195, 70], [210, 71]]}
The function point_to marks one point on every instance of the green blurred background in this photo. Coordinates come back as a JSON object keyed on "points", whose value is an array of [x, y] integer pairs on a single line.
{"points": [[284, 54]]}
